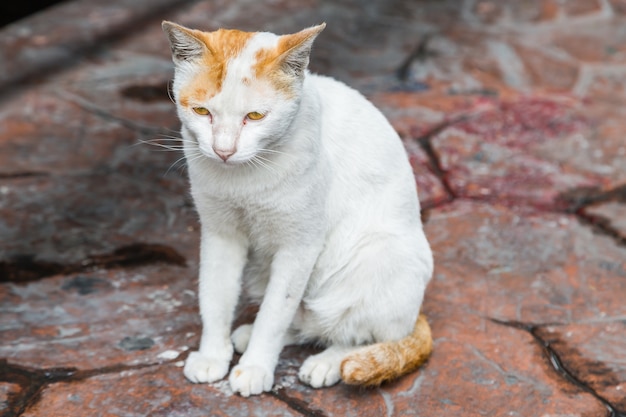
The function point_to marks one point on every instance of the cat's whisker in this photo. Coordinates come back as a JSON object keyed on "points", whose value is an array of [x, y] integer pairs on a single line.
{"points": [[265, 163], [180, 143], [184, 161], [173, 138], [274, 151], [168, 147], [166, 130], [269, 161], [165, 139], [179, 160], [195, 156], [251, 163]]}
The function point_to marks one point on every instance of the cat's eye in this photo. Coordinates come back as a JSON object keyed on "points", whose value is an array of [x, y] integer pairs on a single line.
{"points": [[202, 111], [255, 115]]}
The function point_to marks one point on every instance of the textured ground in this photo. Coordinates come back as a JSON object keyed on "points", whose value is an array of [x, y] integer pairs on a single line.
{"points": [[514, 116]]}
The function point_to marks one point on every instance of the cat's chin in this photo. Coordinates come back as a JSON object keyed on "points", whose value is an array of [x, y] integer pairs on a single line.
{"points": [[226, 164]]}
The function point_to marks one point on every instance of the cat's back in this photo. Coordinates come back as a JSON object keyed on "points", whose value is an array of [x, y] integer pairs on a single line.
{"points": [[348, 117], [356, 135], [341, 102]]}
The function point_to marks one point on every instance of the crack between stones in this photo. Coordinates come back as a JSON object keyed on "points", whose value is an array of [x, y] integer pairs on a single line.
{"points": [[295, 404], [557, 363], [602, 226], [577, 200], [34, 381], [425, 142], [24, 269]]}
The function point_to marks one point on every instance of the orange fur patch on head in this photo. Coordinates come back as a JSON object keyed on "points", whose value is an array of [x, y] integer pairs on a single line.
{"points": [[197, 91], [270, 61], [268, 66], [221, 46]]}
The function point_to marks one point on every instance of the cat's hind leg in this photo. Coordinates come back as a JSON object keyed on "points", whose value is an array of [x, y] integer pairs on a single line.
{"points": [[241, 337], [324, 369]]}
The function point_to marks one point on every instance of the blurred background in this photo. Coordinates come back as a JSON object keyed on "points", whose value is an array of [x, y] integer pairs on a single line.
{"points": [[513, 116]]}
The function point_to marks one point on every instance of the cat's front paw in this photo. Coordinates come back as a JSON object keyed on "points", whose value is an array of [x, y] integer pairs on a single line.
{"points": [[200, 369], [251, 379]]}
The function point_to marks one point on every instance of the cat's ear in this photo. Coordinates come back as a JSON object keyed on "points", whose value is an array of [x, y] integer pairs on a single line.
{"points": [[294, 49], [185, 43]]}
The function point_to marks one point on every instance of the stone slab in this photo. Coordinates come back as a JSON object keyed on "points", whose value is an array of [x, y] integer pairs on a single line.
{"points": [[60, 36], [72, 219], [528, 151], [153, 391], [100, 318], [65, 138], [500, 363], [504, 367], [522, 265]]}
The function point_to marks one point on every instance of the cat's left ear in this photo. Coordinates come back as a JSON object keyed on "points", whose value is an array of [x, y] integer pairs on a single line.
{"points": [[294, 50], [186, 43]]}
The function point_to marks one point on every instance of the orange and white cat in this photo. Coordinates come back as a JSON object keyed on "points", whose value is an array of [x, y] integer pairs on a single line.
{"points": [[308, 203]]}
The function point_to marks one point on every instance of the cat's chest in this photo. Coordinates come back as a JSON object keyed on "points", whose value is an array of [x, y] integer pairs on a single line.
{"points": [[257, 220], [264, 211]]}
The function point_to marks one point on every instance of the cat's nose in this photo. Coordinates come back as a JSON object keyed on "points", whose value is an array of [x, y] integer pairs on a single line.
{"points": [[224, 154]]}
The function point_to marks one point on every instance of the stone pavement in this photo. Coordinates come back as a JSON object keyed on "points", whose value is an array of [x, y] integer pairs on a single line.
{"points": [[514, 116]]}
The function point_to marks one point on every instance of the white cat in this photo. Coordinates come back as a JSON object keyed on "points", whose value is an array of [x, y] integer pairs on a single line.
{"points": [[307, 201]]}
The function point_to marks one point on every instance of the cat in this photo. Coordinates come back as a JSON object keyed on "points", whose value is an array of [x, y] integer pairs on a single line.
{"points": [[308, 203]]}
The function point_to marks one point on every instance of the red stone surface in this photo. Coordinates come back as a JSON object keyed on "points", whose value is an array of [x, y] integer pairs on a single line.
{"points": [[67, 32], [598, 348], [611, 215], [101, 318], [523, 265], [512, 114], [153, 391], [544, 269], [512, 151], [504, 367], [56, 143], [7, 390]]}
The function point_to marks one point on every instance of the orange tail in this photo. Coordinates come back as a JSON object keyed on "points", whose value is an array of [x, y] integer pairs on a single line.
{"points": [[374, 364]]}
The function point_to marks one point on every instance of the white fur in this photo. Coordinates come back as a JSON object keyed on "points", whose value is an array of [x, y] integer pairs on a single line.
{"points": [[325, 229]]}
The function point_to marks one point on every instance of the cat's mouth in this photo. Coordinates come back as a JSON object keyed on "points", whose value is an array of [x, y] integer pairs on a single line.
{"points": [[230, 161]]}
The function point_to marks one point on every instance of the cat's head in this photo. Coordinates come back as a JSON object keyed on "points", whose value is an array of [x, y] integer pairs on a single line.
{"points": [[238, 92]]}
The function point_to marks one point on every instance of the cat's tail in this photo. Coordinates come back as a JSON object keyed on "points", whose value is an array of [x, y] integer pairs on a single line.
{"points": [[374, 364]]}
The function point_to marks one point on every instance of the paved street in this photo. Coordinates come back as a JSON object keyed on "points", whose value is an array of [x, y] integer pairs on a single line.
{"points": [[513, 113]]}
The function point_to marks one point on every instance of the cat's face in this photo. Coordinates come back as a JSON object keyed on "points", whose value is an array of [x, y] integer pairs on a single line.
{"points": [[237, 92]]}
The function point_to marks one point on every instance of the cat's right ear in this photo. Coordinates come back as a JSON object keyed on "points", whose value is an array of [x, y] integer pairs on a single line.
{"points": [[185, 44]]}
